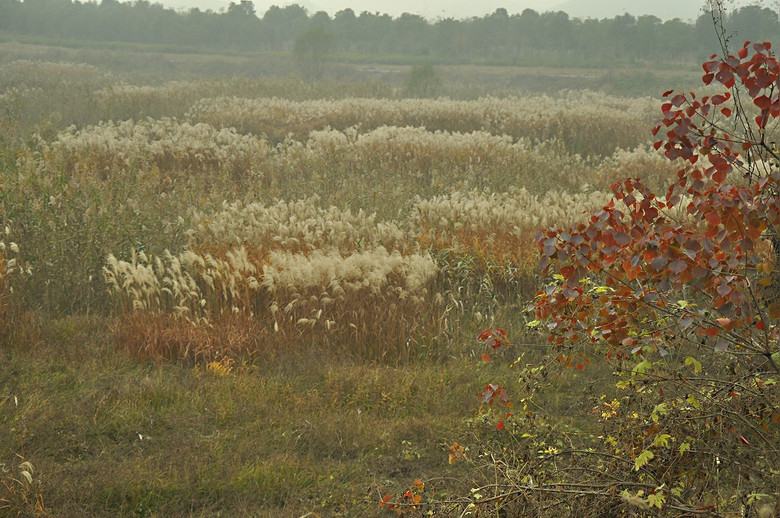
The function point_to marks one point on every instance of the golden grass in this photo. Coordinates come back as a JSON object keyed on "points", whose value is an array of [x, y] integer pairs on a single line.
{"points": [[154, 336], [589, 124], [371, 304], [295, 226], [308, 277]]}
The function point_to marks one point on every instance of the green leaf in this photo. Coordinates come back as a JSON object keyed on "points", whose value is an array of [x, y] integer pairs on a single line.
{"points": [[755, 497], [691, 399], [685, 447], [659, 410], [656, 499], [642, 367], [690, 360], [662, 440], [643, 459], [533, 323]]}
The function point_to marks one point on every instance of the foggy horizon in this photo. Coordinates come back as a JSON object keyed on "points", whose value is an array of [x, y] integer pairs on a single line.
{"points": [[432, 10]]}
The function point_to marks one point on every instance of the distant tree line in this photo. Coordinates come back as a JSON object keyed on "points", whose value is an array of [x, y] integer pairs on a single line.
{"points": [[528, 37]]}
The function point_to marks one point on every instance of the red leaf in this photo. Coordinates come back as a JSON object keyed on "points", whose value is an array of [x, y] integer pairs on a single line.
{"points": [[726, 112], [742, 53], [567, 272], [667, 93], [726, 77], [710, 331], [763, 102], [678, 100], [713, 218], [500, 426], [719, 175], [720, 98]]}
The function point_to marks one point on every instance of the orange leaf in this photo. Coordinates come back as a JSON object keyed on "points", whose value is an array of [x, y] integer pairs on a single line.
{"points": [[500, 426], [485, 357], [774, 310]]}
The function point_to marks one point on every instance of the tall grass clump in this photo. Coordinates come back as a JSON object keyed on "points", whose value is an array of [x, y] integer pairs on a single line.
{"points": [[11, 269], [373, 304], [301, 226], [485, 241], [300, 276], [383, 169], [588, 123], [165, 145], [46, 96], [43, 97]]}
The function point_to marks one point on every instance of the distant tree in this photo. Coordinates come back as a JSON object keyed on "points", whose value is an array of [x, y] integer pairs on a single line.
{"points": [[647, 35], [344, 26], [311, 51], [281, 24], [411, 33], [754, 23], [243, 8]]}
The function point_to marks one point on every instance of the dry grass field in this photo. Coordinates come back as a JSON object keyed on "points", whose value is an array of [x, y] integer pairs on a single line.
{"points": [[256, 297]]}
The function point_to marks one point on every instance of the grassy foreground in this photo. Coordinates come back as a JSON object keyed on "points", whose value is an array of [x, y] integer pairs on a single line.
{"points": [[108, 435]]}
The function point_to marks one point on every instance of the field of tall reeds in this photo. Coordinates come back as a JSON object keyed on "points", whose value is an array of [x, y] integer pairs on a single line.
{"points": [[250, 239]]}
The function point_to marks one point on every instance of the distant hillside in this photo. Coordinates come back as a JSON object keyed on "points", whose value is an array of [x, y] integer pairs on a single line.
{"points": [[664, 9]]}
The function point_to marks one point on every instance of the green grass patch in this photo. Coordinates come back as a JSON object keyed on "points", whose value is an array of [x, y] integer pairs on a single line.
{"points": [[110, 436]]}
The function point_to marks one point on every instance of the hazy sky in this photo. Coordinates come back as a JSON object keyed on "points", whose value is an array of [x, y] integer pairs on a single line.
{"points": [[434, 9]]}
